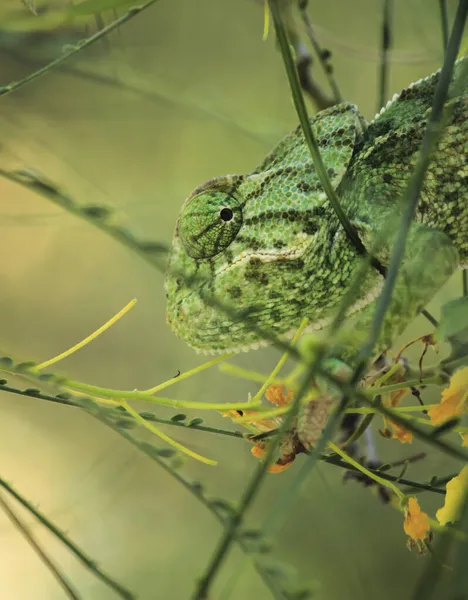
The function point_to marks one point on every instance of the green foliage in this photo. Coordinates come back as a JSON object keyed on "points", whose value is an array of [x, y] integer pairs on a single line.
{"points": [[258, 542]]}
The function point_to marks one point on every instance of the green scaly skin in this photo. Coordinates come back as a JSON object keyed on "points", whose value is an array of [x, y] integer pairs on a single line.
{"points": [[269, 243]]}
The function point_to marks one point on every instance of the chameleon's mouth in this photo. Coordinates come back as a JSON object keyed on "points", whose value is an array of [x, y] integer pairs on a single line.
{"points": [[234, 350]]}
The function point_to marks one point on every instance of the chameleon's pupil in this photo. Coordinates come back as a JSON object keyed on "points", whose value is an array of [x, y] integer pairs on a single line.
{"points": [[226, 214]]}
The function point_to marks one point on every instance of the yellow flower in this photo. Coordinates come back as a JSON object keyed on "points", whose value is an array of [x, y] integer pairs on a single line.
{"points": [[416, 524], [405, 436], [397, 432], [456, 488], [453, 398], [258, 449], [275, 395], [281, 464]]}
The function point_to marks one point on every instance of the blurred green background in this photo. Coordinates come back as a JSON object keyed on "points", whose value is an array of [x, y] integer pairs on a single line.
{"points": [[211, 98]]}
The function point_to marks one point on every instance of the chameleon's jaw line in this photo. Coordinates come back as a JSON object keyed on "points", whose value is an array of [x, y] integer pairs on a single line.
{"points": [[234, 350]]}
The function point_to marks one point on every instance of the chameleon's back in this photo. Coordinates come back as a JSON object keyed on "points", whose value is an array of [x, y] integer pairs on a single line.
{"points": [[386, 155]]}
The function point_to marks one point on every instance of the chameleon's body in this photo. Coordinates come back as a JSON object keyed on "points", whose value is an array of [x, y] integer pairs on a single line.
{"points": [[270, 242]]}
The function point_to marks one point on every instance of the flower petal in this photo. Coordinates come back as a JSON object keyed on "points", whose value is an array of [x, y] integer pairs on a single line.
{"points": [[456, 488]]}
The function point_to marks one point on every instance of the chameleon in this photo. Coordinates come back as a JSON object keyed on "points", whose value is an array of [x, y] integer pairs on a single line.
{"points": [[268, 245]]}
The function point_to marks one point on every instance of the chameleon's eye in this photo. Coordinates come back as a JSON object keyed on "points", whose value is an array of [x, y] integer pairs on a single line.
{"points": [[209, 223]]}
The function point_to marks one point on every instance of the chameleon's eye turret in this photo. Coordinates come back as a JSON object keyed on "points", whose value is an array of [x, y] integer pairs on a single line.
{"points": [[209, 223]]}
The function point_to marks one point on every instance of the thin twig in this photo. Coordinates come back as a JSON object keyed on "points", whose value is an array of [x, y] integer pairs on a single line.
{"points": [[304, 60], [323, 54], [413, 190], [444, 23], [393, 415], [309, 136], [236, 520], [74, 401], [144, 90], [282, 36], [87, 561], [118, 418], [132, 12], [192, 487], [99, 216], [386, 41], [37, 549]]}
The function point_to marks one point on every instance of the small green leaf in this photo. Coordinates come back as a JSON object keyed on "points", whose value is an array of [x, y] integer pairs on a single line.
{"points": [[25, 366], [223, 505], [152, 247], [157, 452], [96, 212], [123, 234], [6, 361], [453, 326], [147, 415], [197, 487], [31, 392], [166, 452], [179, 417], [195, 422], [265, 547], [177, 462], [46, 377]]}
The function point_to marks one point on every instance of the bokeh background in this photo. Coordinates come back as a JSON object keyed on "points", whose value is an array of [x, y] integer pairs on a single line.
{"points": [[201, 95]]}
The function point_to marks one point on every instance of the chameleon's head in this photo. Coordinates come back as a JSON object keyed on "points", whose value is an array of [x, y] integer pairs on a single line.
{"points": [[252, 252]]}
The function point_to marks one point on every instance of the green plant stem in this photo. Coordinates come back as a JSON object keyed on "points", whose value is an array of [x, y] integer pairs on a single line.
{"points": [[38, 549], [301, 110], [323, 55], [250, 492], [444, 23], [434, 485], [259, 474], [145, 90], [74, 401], [133, 12], [411, 196], [339, 462], [434, 380], [151, 252], [350, 389], [101, 416]]}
